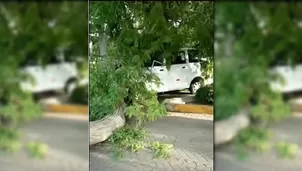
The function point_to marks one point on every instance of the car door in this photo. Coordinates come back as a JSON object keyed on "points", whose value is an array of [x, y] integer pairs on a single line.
{"points": [[33, 68], [179, 71], [298, 76], [288, 75], [161, 72], [67, 67], [157, 67], [54, 73], [194, 64]]}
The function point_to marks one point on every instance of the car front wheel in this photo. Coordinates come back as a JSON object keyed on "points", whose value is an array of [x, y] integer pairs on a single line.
{"points": [[195, 85]]}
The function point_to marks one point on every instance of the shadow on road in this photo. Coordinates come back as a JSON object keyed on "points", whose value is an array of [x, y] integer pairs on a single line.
{"points": [[173, 94]]}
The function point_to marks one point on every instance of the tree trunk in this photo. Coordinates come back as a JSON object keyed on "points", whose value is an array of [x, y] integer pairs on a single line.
{"points": [[101, 130], [103, 44], [227, 130]]}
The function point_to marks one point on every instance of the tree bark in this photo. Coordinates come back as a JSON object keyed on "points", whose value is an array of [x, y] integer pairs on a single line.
{"points": [[226, 130], [101, 130]]}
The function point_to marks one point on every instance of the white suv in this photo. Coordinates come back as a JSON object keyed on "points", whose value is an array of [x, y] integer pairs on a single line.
{"points": [[184, 73], [291, 75], [58, 74]]}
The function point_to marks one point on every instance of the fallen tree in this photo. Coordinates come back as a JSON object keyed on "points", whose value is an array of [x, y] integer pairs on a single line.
{"points": [[101, 130]]}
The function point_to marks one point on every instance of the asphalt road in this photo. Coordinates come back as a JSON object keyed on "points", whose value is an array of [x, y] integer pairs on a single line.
{"points": [[67, 141], [289, 131]]}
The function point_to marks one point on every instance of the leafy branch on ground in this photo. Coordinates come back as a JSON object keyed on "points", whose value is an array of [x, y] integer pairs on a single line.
{"points": [[258, 139], [135, 140], [286, 150], [9, 140], [36, 150]]}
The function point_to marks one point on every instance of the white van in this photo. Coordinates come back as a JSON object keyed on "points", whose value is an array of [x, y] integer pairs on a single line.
{"points": [[184, 73], [58, 74], [292, 76]]}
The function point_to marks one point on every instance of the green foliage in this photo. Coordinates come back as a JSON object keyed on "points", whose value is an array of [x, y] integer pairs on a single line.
{"points": [[232, 89], [128, 138], [161, 150], [255, 138], [136, 139], [25, 30], [109, 87], [286, 150], [205, 94], [9, 140], [106, 91], [135, 31], [37, 150], [80, 95]]}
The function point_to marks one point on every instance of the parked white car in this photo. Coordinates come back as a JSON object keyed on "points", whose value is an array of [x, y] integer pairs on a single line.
{"points": [[292, 77], [59, 74], [184, 73]]}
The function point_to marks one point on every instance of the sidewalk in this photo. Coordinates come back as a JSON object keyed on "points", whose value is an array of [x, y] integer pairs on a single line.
{"points": [[191, 134], [288, 130]]}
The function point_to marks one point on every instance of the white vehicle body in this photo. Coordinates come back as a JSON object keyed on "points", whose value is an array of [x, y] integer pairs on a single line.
{"points": [[184, 71], [292, 77], [57, 75]]}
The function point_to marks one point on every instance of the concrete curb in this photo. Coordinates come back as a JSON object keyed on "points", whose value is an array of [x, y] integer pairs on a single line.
{"points": [[67, 116], [296, 104], [179, 105], [190, 108], [67, 109]]}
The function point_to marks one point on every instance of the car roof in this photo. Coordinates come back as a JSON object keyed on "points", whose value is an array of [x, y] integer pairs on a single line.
{"points": [[187, 48]]}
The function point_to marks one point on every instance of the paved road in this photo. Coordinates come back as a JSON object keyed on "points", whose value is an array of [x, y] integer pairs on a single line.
{"points": [[68, 147], [192, 137], [288, 131]]}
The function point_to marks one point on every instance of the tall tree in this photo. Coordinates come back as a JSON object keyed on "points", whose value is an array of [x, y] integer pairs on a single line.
{"points": [[135, 31]]}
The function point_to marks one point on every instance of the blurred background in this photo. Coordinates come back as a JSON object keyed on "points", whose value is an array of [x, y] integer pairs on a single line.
{"points": [[44, 73], [258, 81]]}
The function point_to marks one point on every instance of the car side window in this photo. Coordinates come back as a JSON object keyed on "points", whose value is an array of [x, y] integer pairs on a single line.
{"points": [[29, 60], [193, 55], [156, 56], [279, 61], [54, 59], [179, 58], [68, 55]]}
